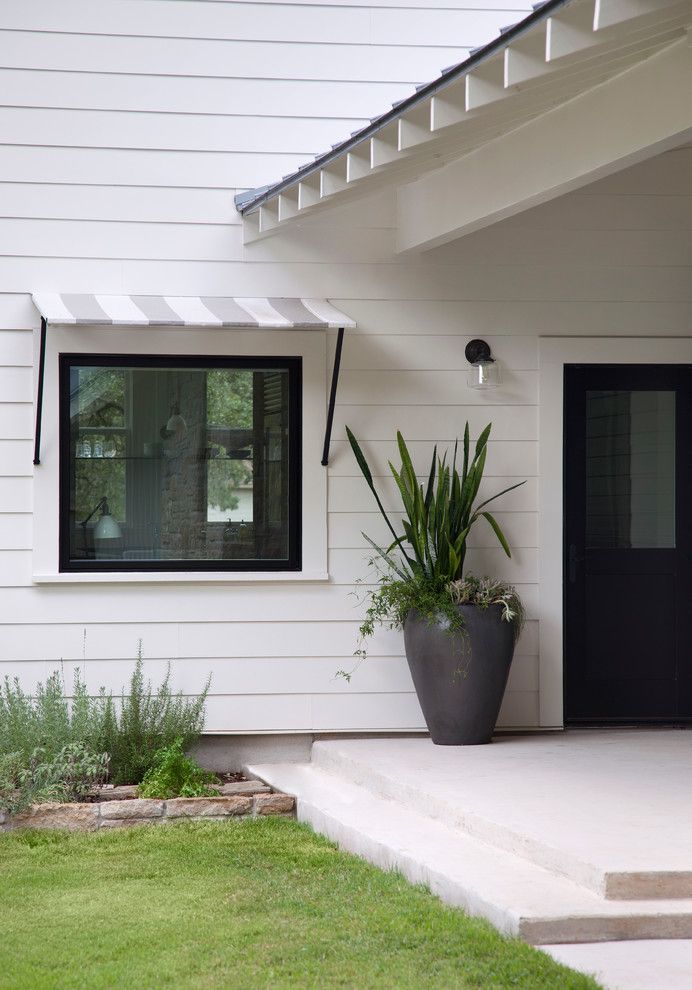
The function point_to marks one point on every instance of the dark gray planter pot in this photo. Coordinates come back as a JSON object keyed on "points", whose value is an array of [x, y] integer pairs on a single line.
{"points": [[460, 677]]}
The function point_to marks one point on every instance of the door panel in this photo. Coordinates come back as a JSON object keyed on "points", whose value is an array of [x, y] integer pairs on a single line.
{"points": [[627, 538]]}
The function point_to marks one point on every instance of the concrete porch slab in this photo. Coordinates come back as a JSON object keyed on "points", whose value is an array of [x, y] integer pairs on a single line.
{"points": [[517, 896], [660, 965], [609, 809]]}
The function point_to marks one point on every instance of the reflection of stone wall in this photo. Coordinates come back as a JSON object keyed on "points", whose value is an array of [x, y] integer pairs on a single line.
{"points": [[183, 474]]}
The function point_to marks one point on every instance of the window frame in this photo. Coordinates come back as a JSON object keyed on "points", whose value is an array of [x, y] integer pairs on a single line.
{"points": [[95, 340], [173, 361]]}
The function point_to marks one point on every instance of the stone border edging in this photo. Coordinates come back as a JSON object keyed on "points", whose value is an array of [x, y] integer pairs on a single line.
{"points": [[89, 817]]}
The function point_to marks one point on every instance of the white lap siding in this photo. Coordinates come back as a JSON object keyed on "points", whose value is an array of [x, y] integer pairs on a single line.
{"points": [[120, 157]]}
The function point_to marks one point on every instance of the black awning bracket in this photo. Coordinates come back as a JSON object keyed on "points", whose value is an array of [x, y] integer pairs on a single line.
{"points": [[39, 391], [332, 396], [330, 410]]}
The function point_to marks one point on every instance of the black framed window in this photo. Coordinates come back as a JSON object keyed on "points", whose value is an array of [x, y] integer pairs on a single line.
{"points": [[175, 464]]}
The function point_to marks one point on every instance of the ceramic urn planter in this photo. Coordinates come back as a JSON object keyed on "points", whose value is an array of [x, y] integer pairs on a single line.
{"points": [[460, 677]]}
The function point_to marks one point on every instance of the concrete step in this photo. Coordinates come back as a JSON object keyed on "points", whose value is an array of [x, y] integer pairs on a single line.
{"points": [[571, 834], [517, 896], [660, 965]]}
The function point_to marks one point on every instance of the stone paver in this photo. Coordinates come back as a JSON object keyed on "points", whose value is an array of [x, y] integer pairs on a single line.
{"points": [[274, 804], [139, 808], [119, 793], [208, 807], [244, 787], [73, 817]]}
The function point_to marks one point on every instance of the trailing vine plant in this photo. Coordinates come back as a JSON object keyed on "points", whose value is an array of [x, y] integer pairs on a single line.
{"points": [[422, 568]]}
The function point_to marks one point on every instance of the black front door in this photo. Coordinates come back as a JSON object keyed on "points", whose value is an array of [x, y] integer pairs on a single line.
{"points": [[628, 543]]}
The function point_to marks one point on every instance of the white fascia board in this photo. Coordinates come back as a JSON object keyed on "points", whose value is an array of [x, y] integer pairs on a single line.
{"points": [[627, 119]]}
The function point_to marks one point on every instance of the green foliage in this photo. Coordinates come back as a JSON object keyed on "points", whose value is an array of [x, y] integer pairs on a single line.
{"points": [[147, 721], [69, 775], [229, 403], [174, 774], [424, 565], [229, 397], [393, 599], [484, 592], [46, 720], [438, 516], [130, 729]]}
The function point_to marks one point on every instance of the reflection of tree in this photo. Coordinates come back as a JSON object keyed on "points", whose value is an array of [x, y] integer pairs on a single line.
{"points": [[96, 477], [100, 402], [229, 404], [101, 397]]}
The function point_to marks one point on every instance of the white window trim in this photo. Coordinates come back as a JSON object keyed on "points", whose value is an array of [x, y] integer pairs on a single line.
{"points": [[553, 354], [310, 345]]}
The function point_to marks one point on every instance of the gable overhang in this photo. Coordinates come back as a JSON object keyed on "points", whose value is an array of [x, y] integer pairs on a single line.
{"points": [[643, 112], [569, 94]]}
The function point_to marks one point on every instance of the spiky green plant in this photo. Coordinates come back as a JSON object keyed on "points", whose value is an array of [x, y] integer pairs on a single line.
{"points": [[425, 564], [439, 515]]}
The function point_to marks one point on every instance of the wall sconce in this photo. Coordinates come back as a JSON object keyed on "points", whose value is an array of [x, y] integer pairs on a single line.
{"points": [[485, 371]]}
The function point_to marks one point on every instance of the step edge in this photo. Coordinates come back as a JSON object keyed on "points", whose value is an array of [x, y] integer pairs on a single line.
{"points": [[547, 857], [611, 884], [537, 929]]}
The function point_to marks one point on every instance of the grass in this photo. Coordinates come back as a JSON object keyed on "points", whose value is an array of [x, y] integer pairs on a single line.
{"points": [[250, 904]]}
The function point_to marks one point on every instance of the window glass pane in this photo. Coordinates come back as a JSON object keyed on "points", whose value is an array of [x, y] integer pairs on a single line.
{"points": [[630, 469], [179, 464]]}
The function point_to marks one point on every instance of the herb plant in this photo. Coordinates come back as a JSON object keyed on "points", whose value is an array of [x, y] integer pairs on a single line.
{"points": [[69, 775], [37, 730], [173, 774], [47, 719], [146, 721]]}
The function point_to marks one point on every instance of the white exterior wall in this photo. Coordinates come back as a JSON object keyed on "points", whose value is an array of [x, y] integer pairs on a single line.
{"points": [[121, 154]]}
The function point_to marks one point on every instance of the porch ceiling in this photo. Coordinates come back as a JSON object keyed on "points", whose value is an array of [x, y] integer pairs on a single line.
{"points": [[560, 52]]}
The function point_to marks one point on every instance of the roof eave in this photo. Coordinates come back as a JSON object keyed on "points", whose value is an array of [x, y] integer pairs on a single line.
{"points": [[252, 199]]}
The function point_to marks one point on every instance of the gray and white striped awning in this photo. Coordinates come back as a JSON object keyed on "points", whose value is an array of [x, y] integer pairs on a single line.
{"points": [[189, 311]]}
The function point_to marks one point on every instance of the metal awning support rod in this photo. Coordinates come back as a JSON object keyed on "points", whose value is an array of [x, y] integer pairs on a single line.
{"points": [[332, 396], [39, 392]]}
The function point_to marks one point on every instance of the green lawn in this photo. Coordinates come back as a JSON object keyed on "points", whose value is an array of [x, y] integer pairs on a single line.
{"points": [[255, 903]]}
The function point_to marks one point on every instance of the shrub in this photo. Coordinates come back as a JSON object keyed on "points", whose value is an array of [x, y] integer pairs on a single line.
{"points": [[147, 722], [130, 730], [68, 775], [174, 774], [48, 719]]}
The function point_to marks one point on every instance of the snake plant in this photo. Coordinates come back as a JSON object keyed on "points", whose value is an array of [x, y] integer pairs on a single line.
{"points": [[439, 515]]}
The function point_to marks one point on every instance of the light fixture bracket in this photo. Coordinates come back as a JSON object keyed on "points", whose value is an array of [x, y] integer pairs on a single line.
{"points": [[478, 352]]}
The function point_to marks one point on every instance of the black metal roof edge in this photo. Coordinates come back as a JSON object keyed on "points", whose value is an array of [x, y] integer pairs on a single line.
{"points": [[251, 199]]}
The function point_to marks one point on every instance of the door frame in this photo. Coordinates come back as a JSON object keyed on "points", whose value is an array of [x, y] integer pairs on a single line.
{"points": [[553, 354]]}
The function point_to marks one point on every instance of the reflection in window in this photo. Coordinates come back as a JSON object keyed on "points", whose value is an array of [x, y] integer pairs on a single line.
{"points": [[630, 469], [169, 462]]}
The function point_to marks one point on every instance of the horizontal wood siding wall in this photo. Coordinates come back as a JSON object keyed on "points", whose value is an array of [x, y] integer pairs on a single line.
{"points": [[126, 130]]}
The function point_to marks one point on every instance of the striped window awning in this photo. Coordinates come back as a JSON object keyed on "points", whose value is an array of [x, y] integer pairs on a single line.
{"points": [[189, 311], [271, 313]]}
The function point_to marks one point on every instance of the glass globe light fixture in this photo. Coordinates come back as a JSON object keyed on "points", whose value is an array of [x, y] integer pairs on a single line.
{"points": [[485, 371]]}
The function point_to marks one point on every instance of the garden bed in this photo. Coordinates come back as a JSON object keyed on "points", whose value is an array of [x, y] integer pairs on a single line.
{"points": [[113, 807]]}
